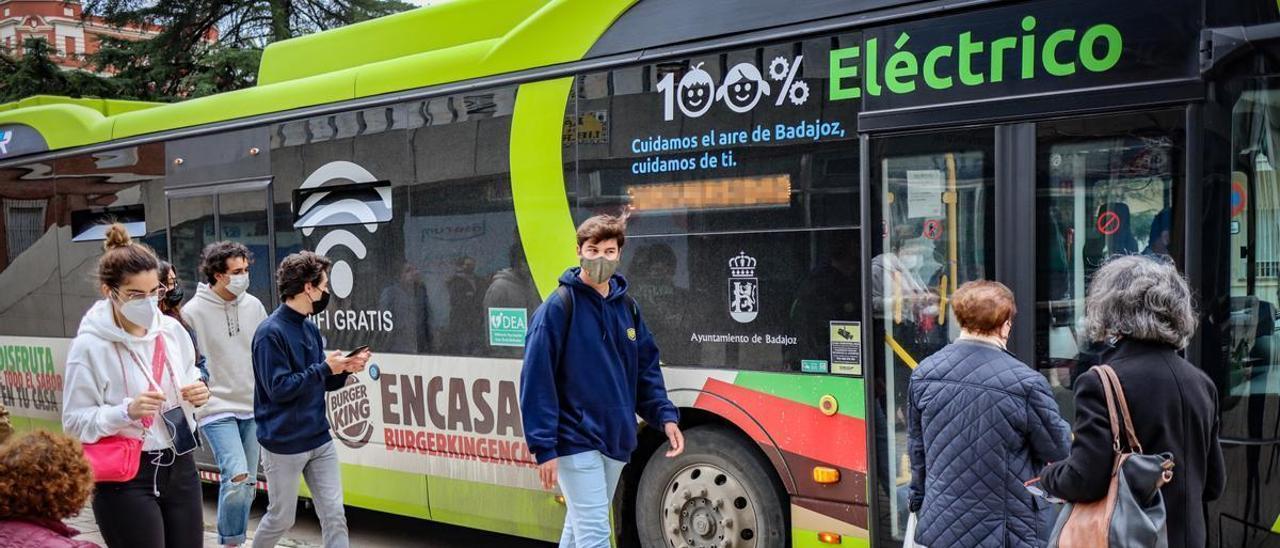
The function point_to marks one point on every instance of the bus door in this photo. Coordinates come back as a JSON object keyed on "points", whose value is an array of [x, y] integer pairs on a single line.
{"points": [[1247, 368], [932, 197], [956, 206], [236, 211], [1105, 186], [201, 215]]}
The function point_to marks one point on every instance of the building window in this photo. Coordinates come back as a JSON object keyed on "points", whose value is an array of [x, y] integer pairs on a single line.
{"points": [[71, 46], [24, 224], [68, 12]]}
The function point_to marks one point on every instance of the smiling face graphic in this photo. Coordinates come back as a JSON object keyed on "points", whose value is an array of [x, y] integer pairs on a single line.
{"points": [[743, 88], [696, 92]]}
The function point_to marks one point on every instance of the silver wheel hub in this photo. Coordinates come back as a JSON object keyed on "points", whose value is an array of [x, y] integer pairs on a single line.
{"points": [[704, 506]]}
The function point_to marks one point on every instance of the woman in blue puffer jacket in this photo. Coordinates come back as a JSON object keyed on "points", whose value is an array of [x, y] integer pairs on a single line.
{"points": [[980, 423]]}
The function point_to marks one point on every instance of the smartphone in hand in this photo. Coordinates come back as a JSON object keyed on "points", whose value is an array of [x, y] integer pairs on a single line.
{"points": [[357, 351], [1033, 487]]}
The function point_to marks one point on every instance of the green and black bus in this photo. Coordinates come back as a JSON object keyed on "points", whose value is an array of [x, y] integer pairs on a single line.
{"points": [[807, 183]]}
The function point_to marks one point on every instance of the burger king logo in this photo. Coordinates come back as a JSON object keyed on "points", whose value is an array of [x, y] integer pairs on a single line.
{"points": [[350, 414]]}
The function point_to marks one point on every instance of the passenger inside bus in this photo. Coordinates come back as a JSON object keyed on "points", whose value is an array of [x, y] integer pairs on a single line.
{"points": [[1161, 233], [652, 277], [1113, 235], [405, 298], [512, 287], [466, 319], [823, 297]]}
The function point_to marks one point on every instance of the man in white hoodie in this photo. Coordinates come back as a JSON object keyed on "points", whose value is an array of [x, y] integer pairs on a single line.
{"points": [[224, 317]]}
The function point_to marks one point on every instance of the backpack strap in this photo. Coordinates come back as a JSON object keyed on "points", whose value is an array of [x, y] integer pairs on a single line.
{"points": [[565, 296], [635, 311]]}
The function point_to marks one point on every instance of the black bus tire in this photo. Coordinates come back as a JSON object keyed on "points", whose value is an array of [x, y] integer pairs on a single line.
{"points": [[710, 494]]}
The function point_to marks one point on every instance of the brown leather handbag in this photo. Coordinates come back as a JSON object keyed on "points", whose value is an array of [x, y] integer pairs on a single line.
{"points": [[1132, 514]]}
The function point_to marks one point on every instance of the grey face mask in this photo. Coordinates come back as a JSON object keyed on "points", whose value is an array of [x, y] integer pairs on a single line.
{"points": [[599, 269]]}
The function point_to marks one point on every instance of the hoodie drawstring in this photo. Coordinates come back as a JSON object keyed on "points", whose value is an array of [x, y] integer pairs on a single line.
{"points": [[233, 320]]}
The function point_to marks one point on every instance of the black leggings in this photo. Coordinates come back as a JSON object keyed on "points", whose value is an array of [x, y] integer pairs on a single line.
{"points": [[129, 514]]}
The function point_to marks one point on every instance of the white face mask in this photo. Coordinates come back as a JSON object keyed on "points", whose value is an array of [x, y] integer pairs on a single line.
{"points": [[141, 311], [238, 284]]}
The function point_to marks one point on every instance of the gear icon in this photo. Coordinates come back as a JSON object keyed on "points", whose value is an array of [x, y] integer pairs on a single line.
{"points": [[799, 93], [778, 68]]}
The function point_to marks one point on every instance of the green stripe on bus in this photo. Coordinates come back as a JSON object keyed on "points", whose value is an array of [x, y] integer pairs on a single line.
{"points": [[403, 493], [801, 538], [537, 181], [1276, 528], [343, 64], [106, 107], [561, 31], [26, 424], [511, 510], [530, 513], [808, 389], [516, 511], [405, 34], [61, 125]]}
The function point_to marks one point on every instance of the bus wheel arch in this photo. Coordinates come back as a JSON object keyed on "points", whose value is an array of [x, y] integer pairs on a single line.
{"points": [[744, 465]]}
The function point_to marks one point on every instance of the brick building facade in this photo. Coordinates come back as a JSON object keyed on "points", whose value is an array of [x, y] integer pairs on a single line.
{"points": [[62, 24]]}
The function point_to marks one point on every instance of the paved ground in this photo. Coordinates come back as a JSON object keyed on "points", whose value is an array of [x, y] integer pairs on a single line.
{"points": [[368, 529]]}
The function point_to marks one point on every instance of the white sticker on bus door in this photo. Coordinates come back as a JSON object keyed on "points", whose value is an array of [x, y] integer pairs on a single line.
{"points": [[924, 193]]}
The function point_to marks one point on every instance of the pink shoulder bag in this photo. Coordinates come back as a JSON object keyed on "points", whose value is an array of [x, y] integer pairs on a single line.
{"points": [[116, 458]]}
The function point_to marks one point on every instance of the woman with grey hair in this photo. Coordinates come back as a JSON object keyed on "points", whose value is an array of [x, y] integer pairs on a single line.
{"points": [[1141, 307]]}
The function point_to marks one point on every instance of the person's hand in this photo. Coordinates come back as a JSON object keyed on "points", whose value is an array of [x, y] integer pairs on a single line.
{"points": [[147, 404], [547, 472], [357, 363], [675, 438], [196, 393], [337, 362]]}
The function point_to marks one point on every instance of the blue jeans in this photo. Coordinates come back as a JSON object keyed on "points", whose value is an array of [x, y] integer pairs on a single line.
{"points": [[235, 445], [588, 481]]}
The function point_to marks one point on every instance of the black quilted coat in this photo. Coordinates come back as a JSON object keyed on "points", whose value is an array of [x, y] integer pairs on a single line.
{"points": [[980, 423]]}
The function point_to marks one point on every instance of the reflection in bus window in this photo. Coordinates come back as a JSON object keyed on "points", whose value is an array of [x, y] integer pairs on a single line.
{"points": [[802, 282], [1243, 354], [724, 200], [120, 180], [425, 259], [28, 259], [1105, 187], [935, 203], [1254, 380]]}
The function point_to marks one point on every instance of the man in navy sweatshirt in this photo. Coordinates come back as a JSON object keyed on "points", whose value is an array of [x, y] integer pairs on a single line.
{"points": [[292, 374], [590, 366]]}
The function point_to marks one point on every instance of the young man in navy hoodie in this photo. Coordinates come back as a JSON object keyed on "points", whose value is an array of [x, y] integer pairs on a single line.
{"points": [[292, 375], [590, 366]]}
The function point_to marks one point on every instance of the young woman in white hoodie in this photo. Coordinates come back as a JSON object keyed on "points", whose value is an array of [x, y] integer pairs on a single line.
{"points": [[116, 386]]}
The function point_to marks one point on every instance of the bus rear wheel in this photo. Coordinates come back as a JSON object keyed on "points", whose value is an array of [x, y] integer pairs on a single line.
{"points": [[720, 493]]}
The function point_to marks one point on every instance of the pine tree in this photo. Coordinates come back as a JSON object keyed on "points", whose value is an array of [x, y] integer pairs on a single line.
{"points": [[205, 47], [213, 46], [35, 73]]}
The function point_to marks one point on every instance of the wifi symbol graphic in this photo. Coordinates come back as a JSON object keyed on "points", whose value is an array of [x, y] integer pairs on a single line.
{"points": [[317, 210]]}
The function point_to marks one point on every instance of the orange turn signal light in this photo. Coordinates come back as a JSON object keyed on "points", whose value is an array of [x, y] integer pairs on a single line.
{"points": [[825, 475], [829, 538], [560, 499]]}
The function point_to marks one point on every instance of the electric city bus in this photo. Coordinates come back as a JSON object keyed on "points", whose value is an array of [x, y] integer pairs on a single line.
{"points": [[807, 184]]}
